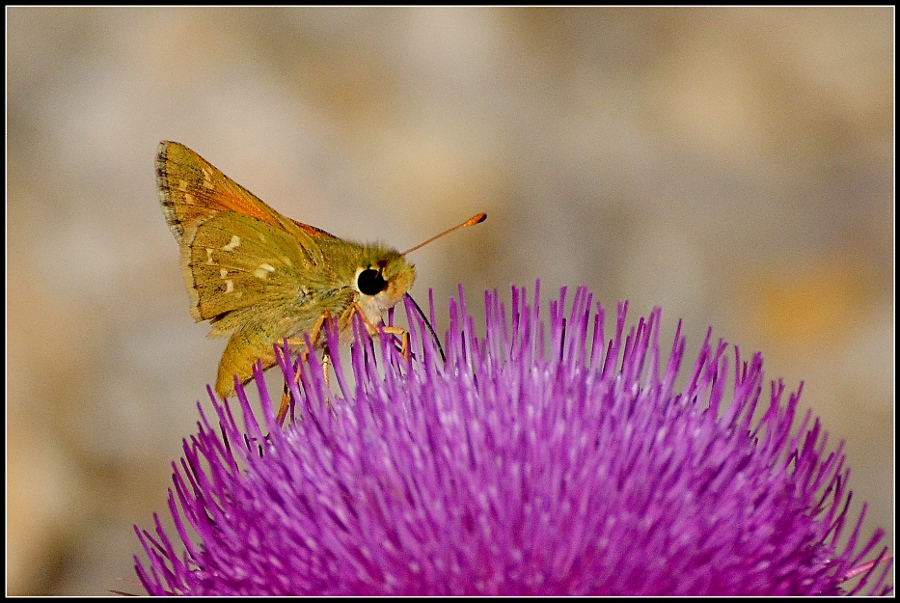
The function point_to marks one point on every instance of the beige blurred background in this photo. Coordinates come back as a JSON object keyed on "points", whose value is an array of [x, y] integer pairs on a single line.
{"points": [[731, 166]]}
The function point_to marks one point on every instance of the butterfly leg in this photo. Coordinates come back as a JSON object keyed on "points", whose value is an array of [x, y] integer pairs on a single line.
{"points": [[404, 349], [389, 330], [304, 357]]}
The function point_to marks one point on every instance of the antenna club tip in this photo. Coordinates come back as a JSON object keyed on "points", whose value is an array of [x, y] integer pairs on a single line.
{"points": [[476, 219]]}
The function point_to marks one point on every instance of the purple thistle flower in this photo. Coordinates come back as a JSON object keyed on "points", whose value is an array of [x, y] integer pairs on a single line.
{"points": [[515, 467]]}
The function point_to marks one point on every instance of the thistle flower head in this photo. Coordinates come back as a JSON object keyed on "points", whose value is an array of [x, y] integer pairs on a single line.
{"points": [[534, 460]]}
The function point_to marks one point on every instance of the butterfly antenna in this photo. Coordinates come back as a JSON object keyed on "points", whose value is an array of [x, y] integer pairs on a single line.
{"points": [[430, 328], [477, 219]]}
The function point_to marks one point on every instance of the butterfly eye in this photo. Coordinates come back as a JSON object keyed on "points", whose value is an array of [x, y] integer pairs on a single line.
{"points": [[370, 282]]}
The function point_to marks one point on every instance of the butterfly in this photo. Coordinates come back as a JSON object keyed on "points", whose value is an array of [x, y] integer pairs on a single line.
{"points": [[260, 277]]}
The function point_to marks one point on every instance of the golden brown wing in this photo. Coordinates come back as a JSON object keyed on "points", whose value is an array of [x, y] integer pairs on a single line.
{"points": [[191, 189]]}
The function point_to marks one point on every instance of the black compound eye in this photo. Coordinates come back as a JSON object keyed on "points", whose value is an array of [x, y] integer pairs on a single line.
{"points": [[370, 282]]}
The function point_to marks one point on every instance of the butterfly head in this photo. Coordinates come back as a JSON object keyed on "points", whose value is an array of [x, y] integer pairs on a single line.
{"points": [[382, 281]]}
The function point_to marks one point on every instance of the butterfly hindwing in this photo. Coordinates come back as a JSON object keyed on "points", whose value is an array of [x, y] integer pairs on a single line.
{"points": [[235, 261]]}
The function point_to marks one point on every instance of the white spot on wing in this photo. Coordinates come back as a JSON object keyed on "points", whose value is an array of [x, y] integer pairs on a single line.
{"points": [[234, 244], [263, 270], [229, 286], [209, 257]]}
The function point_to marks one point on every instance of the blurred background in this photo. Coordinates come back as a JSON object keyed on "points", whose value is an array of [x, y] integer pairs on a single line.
{"points": [[732, 166]]}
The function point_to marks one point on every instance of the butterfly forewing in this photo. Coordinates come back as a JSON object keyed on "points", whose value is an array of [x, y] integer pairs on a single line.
{"points": [[192, 189]]}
